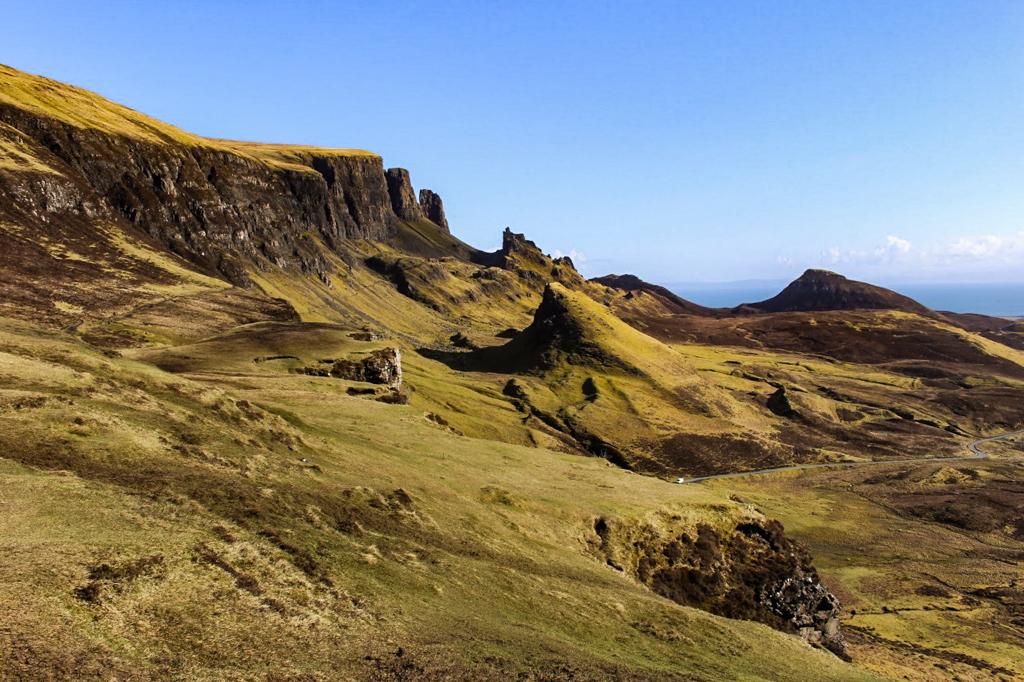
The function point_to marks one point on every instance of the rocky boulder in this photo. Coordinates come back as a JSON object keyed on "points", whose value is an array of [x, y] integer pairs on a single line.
{"points": [[382, 366]]}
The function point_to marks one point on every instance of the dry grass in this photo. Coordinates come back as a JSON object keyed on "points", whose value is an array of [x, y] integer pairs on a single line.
{"points": [[84, 109], [912, 587], [273, 501]]}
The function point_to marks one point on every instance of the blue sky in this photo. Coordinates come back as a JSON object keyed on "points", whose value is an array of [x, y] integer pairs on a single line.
{"points": [[680, 141]]}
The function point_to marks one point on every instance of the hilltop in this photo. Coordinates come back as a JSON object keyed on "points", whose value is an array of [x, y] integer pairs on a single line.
{"points": [[818, 290], [634, 286]]}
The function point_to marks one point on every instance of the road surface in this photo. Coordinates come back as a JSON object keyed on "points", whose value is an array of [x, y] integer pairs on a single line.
{"points": [[974, 447]]}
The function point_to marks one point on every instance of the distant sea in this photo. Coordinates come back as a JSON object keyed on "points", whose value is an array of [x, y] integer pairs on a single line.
{"points": [[1005, 300]]}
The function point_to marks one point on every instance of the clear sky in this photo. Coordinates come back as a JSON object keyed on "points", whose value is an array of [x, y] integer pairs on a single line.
{"points": [[681, 141]]}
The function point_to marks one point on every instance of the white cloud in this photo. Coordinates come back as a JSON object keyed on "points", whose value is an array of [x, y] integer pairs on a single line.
{"points": [[895, 248], [896, 245], [987, 246], [976, 254], [577, 257]]}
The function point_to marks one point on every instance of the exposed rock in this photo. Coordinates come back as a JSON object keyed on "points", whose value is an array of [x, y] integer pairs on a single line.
{"points": [[223, 206], [778, 403], [514, 389], [433, 209], [407, 273], [753, 572], [382, 366], [403, 200], [557, 331], [395, 396], [517, 243], [212, 207]]}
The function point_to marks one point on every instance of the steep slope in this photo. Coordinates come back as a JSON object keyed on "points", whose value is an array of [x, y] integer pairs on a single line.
{"points": [[571, 327], [72, 156], [626, 396], [792, 387], [817, 290]]}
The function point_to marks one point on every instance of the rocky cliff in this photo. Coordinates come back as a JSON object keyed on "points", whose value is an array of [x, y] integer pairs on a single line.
{"points": [[433, 208], [222, 205], [403, 199]]}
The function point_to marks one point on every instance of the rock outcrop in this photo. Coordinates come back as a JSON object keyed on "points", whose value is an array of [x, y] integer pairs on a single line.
{"points": [[560, 331], [215, 208], [516, 243], [779, 404], [751, 571], [433, 209], [382, 366], [403, 199]]}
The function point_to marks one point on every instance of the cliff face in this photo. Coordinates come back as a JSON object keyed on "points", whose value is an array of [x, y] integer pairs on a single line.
{"points": [[403, 200], [68, 156], [211, 206], [433, 207]]}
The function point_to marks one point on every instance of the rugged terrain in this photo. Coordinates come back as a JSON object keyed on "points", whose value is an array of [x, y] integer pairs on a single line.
{"points": [[263, 415]]}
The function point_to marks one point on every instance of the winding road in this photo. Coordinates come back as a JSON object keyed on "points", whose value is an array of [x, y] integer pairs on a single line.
{"points": [[974, 447]]}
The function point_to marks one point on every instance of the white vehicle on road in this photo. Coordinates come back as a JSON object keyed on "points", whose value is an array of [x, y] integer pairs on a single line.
{"points": [[680, 480]]}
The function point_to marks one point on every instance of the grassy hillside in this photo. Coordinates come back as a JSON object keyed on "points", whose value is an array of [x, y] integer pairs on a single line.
{"points": [[926, 558], [84, 109], [273, 520], [196, 484]]}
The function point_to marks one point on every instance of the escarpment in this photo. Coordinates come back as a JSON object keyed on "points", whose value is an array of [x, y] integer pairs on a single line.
{"points": [[224, 206]]}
